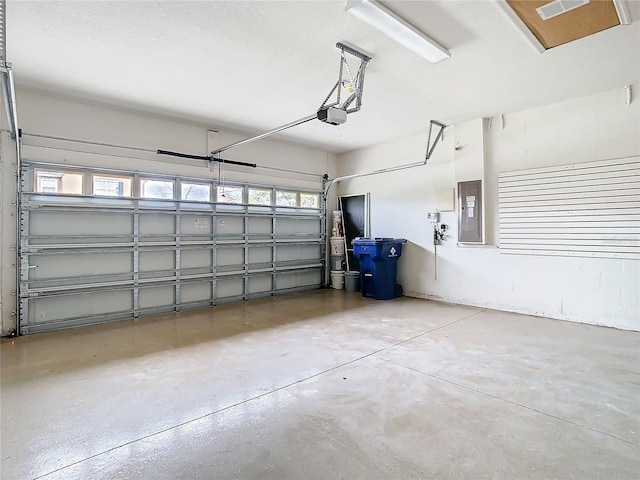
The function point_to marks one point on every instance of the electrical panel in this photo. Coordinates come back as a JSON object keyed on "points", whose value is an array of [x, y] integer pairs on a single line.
{"points": [[470, 212]]}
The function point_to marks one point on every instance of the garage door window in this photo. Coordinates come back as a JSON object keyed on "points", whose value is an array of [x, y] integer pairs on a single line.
{"points": [[195, 192], [58, 181], [152, 188], [309, 200], [228, 194], [259, 196], [286, 199], [110, 186]]}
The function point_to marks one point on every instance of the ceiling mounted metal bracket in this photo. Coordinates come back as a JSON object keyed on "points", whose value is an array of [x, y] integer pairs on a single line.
{"points": [[9, 96], [354, 85], [431, 146], [331, 111], [430, 149]]}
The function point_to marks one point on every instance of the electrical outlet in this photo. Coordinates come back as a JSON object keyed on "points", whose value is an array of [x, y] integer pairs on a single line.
{"points": [[433, 217]]}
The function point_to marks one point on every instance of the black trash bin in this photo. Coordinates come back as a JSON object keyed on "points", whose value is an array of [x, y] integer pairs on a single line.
{"points": [[379, 266]]}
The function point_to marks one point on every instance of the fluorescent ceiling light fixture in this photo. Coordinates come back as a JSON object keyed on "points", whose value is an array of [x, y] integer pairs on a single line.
{"points": [[396, 28]]}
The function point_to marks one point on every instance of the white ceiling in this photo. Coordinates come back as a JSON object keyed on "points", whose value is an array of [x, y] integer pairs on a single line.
{"points": [[255, 65]]}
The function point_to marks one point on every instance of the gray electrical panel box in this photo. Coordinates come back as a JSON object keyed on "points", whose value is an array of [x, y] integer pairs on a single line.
{"points": [[470, 212]]}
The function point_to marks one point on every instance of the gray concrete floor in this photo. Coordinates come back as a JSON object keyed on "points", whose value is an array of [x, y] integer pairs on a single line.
{"points": [[324, 385]]}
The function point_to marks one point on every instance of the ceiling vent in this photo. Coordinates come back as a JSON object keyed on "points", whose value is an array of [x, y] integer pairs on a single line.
{"points": [[558, 7]]}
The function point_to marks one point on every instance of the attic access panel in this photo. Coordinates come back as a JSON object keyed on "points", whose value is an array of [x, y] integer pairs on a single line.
{"points": [[568, 25]]}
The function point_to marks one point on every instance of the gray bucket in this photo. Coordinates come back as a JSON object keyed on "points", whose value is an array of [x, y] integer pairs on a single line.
{"points": [[337, 262], [352, 281]]}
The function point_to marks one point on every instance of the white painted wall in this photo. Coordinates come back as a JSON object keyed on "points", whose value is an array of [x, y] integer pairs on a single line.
{"points": [[588, 290], [2, 193], [66, 117]]}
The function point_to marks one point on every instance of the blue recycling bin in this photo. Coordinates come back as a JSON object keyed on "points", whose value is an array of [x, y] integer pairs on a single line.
{"points": [[379, 266]]}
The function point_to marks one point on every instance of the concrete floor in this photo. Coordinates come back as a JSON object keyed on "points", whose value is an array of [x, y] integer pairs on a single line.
{"points": [[324, 385]]}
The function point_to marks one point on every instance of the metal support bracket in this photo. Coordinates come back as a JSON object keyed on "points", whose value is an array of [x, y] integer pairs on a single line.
{"points": [[9, 95], [353, 84], [431, 146]]}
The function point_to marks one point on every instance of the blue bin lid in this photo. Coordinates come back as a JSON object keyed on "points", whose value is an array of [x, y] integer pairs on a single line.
{"points": [[377, 241]]}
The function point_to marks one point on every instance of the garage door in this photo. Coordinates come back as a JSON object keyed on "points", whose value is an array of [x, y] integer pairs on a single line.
{"points": [[100, 245]]}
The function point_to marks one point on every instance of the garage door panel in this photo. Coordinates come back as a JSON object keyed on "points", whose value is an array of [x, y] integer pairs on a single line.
{"points": [[230, 256], [47, 309], [124, 240], [227, 225], [151, 297], [297, 252], [156, 224], [260, 255], [132, 256], [229, 287], [310, 252], [298, 280], [76, 265], [53, 224], [260, 284], [310, 278], [196, 225], [297, 225], [157, 260], [196, 258], [260, 226], [286, 280], [195, 292]]}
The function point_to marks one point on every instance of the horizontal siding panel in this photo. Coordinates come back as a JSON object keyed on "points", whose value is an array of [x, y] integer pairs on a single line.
{"points": [[596, 172], [603, 183], [590, 209], [634, 238], [587, 242], [560, 253], [590, 230], [570, 179], [573, 248], [621, 219], [569, 214], [575, 167], [577, 206], [605, 202], [628, 191]]}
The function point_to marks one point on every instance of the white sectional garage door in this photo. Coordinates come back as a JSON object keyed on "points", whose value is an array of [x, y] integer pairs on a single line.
{"points": [[100, 245]]}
